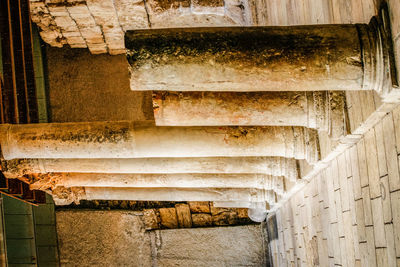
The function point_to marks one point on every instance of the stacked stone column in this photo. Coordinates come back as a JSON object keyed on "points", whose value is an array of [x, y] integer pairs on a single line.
{"points": [[234, 109]]}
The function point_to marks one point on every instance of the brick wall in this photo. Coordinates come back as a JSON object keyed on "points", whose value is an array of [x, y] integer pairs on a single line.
{"points": [[349, 213]]}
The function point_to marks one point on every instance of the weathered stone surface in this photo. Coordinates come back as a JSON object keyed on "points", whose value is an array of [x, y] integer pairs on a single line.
{"points": [[124, 139], [310, 58], [102, 238], [178, 180], [199, 206], [217, 210], [62, 22], [235, 246], [212, 6], [225, 218], [184, 216], [201, 219], [238, 11], [150, 219], [228, 165], [308, 109], [118, 238], [131, 14], [168, 217], [106, 95], [241, 213]]}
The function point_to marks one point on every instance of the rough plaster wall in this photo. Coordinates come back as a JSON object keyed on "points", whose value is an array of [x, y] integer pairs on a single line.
{"points": [[86, 87], [118, 238]]}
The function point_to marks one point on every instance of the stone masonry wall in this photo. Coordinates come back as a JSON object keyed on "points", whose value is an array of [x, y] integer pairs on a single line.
{"points": [[100, 24], [119, 238], [349, 213], [171, 215]]}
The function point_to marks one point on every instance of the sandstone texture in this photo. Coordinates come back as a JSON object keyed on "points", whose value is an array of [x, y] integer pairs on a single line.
{"points": [[118, 238]]}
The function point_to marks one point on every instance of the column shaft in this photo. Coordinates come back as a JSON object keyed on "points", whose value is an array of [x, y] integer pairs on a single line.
{"points": [[308, 109], [180, 194], [259, 181], [291, 58], [276, 166], [134, 140]]}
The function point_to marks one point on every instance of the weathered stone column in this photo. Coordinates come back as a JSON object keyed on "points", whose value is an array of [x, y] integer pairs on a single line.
{"points": [[187, 180], [308, 109], [291, 58], [276, 166], [64, 196], [138, 140]]}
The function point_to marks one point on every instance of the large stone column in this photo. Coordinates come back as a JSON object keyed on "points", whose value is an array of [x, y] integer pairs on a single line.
{"points": [[291, 58], [187, 180], [136, 140], [64, 196], [308, 109], [276, 166]]}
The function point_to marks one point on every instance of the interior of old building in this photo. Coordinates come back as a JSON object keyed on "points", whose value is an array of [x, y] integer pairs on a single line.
{"points": [[200, 133]]}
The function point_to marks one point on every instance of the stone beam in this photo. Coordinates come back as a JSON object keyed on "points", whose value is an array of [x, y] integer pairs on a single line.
{"points": [[140, 140], [290, 58], [276, 166], [65, 196], [318, 110], [187, 180]]}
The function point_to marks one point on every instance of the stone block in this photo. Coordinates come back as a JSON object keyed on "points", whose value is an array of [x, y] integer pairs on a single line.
{"points": [[97, 48], [159, 6], [184, 215], [201, 219], [79, 9], [151, 219], [66, 23], [199, 207], [225, 218], [56, 11], [208, 6], [92, 35], [216, 211], [241, 213], [234, 9], [76, 40], [131, 14], [168, 217], [100, 6]]}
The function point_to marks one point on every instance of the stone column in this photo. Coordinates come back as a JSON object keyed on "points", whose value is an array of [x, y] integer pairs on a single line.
{"points": [[276, 166], [187, 180], [242, 59], [308, 109], [137, 140], [64, 196]]}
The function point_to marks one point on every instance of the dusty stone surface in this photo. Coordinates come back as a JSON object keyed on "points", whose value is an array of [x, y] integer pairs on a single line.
{"points": [[150, 219], [201, 219], [308, 109], [221, 246], [243, 165], [199, 207], [225, 218], [124, 139], [246, 60], [98, 85], [183, 215], [118, 238], [168, 217], [102, 238]]}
